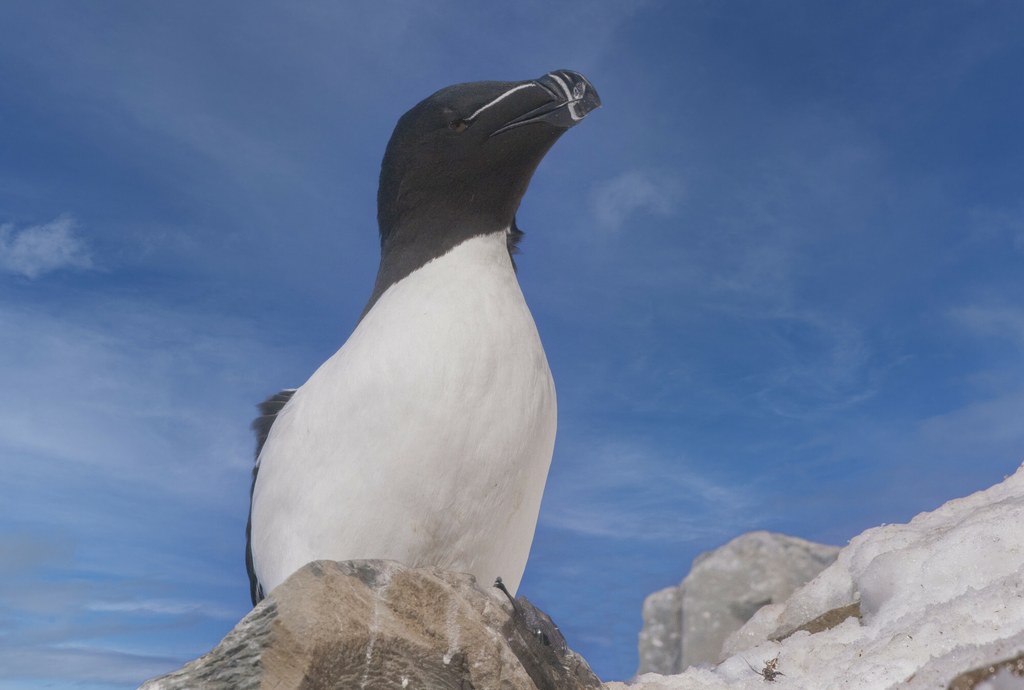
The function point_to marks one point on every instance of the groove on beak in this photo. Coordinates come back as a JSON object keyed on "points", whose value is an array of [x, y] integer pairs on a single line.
{"points": [[572, 98]]}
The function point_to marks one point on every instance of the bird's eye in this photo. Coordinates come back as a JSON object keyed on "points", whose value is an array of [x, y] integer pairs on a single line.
{"points": [[459, 125]]}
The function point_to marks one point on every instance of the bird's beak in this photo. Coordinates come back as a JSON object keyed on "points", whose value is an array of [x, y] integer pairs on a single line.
{"points": [[571, 97]]}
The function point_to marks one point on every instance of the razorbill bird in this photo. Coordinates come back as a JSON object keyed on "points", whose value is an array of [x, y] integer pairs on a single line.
{"points": [[427, 437]]}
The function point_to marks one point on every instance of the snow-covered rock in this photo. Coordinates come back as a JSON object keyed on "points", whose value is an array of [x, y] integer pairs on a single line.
{"points": [[686, 625], [939, 596]]}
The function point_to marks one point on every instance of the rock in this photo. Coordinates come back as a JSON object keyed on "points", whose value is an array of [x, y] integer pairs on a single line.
{"points": [[379, 624], [724, 589], [1011, 671], [827, 620], [934, 603], [660, 646]]}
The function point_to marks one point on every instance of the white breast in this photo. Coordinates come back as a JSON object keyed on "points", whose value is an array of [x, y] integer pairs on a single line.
{"points": [[425, 439]]}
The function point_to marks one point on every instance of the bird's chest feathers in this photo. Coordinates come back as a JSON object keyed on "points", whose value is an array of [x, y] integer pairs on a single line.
{"points": [[451, 356], [462, 315]]}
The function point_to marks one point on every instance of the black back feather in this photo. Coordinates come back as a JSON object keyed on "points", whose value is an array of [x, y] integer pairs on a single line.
{"points": [[261, 425], [513, 238]]}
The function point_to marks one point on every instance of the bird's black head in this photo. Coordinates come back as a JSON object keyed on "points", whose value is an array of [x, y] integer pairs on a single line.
{"points": [[460, 161]]}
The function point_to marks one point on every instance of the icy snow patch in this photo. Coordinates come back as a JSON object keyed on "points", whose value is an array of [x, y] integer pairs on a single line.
{"points": [[939, 596]]}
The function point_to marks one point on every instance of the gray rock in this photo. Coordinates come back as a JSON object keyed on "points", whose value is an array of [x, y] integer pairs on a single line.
{"points": [[724, 588], [660, 646], [379, 624]]}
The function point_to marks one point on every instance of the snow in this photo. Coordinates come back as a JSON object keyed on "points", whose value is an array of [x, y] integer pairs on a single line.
{"points": [[939, 596]]}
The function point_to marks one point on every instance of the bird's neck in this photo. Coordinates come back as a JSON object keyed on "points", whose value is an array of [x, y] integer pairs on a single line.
{"points": [[410, 243]]}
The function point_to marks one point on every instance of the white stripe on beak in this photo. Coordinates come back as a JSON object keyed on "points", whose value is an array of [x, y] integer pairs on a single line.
{"points": [[500, 98]]}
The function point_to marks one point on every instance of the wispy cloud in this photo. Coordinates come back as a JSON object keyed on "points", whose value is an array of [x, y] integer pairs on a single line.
{"points": [[122, 528], [991, 321], [163, 607], [39, 249], [77, 664], [627, 493], [977, 428], [635, 191], [814, 365], [117, 381], [997, 221], [23, 553]]}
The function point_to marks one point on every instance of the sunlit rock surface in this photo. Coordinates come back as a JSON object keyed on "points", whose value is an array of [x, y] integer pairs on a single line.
{"points": [[378, 624]]}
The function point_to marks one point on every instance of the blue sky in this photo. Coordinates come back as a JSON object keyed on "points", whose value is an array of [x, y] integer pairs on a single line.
{"points": [[779, 278]]}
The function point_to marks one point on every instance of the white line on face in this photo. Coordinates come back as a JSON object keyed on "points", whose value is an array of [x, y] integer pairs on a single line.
{"points": [[500, 98]]}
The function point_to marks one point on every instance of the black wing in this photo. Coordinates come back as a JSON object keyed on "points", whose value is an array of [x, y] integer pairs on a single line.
{"points": [[261, 425]]}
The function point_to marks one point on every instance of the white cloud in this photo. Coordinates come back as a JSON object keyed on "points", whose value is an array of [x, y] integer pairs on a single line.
{"points": [[984, 427], [814, 365], [632, 492], [163, 607], [998, 224], [81, 664], [127, 454], [121, 379], [633, 191], [40, 249], [23, 553], [991, 321]]}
